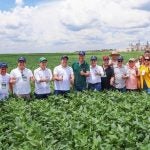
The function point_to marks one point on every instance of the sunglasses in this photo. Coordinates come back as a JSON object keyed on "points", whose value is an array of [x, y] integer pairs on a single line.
{"points": [[120, 60], [106, 59], [147, 59]]}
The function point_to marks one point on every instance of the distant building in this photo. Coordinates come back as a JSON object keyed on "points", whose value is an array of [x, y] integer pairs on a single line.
{"points": [[139, 46]]}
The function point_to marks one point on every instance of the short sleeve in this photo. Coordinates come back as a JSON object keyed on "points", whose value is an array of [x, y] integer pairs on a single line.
{"points": [[71, 70], [87, 67], [55, 71], [50, 73], [12, 74], [30, 74]]}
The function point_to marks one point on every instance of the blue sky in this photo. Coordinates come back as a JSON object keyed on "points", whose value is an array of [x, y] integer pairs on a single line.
{"points": [[68, 25]]}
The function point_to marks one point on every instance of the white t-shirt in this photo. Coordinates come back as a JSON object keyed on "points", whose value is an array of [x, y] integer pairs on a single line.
{"points": [[93, 78], [66, 73], [42, 87], [4, 85], [119, 72], [22, 85]]}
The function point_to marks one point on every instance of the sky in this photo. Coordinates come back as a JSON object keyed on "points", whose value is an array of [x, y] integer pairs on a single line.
{"points": [[45, 26]]}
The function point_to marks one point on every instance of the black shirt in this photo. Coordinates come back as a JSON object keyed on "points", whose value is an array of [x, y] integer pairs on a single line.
{"points": [[108, 74]]}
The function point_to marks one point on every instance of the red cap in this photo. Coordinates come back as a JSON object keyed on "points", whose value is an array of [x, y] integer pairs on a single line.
{"points": [[105, 57]]}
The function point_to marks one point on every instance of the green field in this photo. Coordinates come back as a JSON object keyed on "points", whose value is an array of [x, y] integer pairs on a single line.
{"points": [[82, 121]]}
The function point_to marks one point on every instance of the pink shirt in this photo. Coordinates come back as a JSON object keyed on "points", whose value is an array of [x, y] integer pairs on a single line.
{"points": [[132, 81]]}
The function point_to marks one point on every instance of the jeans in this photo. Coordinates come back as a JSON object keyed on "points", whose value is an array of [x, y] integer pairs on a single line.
{"points": [[146, 89], [122, 90], [60, 92], [79, 88], [94, 87], [41, 96]]}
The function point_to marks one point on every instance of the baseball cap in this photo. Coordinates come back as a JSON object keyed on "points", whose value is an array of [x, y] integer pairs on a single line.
{"points": [[132, 59], [105, 57], [3, 65], [64, 57], [22, 59], [82, 53], [93, 58], [42, 59], [120, 58]]}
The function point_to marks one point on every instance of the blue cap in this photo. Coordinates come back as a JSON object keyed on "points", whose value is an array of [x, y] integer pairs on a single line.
{"points": [[120, 58], [93, 58], [3, 65], [22, 59], [82, 53]]}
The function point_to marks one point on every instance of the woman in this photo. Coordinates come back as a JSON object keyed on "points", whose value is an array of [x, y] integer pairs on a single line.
{"points": [[144, 72]]}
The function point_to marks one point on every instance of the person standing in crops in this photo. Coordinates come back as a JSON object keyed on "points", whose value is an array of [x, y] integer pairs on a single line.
{"points": [[108, 74], [144, 72], [132, 80], [120, 76], [94, 79], [5, 85], [113, 61], [42, 76], [20, 78], [81, 70], [63, 77]]}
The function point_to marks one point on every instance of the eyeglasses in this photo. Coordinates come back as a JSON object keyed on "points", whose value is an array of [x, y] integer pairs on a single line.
{"points": [[120, 60]]}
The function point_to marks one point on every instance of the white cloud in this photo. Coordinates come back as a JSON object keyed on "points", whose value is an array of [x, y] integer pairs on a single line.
{"points": [[19, 2], [73, 24]]}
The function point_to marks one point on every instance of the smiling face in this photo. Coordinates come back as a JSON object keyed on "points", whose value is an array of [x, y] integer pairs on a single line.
{"points": [[93, 63], [131, 64], [3, 71], [43, 64], [64, 62], [81, 58], [21, 65], [120, 62], [147, 61]]}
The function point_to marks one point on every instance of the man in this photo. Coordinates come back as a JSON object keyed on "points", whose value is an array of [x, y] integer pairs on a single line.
{"points": [[4, 81], [43, 76], [81, 70], [114, 55], [20, 78], [63, 77], [120, 75], [94, 79], [108, 74]]}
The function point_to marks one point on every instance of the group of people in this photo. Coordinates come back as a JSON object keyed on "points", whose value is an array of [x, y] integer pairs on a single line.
{"points": [[111, 75]]}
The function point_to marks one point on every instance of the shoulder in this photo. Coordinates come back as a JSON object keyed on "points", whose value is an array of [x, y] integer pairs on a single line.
{"points": [[74, 63], [36, 70], [27, 70], [48, 69], [14, 70], [57, 67]]}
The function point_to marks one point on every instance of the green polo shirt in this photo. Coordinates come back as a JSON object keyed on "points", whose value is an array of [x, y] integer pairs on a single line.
{"points": [[80, 81]]}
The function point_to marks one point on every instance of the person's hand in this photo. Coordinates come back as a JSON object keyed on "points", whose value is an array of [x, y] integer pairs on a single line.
{"points": [[13, 80], [124, 76], [112, 82], [97, 73], [82, 73], [60, 78]]}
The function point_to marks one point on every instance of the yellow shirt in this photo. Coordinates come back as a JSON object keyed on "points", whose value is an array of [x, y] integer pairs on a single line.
{"points": [[144, 75]]}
